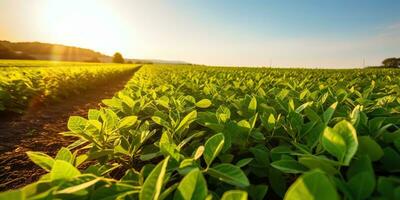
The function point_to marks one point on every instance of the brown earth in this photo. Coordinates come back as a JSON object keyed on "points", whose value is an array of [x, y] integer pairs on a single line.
{"points": [[38, 129]]}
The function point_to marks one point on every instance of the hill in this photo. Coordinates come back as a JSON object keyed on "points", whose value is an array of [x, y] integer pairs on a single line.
{"points": [[46, 51], [58, 52]]}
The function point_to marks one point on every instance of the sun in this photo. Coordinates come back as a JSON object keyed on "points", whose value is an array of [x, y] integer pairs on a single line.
{"points": [[91, 24]]}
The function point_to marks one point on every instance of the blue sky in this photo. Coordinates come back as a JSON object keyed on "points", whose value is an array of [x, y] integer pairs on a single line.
{"points": [[295, 33]]}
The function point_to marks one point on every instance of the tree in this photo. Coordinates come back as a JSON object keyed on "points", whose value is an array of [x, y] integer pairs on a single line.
{"points": [[117, 58], [391, 62]]}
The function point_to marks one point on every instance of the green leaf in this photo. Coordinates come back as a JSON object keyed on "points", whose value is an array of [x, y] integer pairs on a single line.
{"points": [[127, 122], [212, 147], [303, 106], [370, 147], [316, 163], [199, 152], [186, 121], [386, 186], [229, 173], [192, 187], [166, 193], [204, 103], [289, 166], [361, 178], [257, 192], [341, 141], [223, 114], [396, 143], [163, 101], [391, 160], [271, 122], [153, 184], [168, 147], [334, 143], [234, 195], [65, 155], [79, 187], [243, 162], [160, 121], [13, 194], [277, 181], [76, 124], [63, 170], [42, 160], [327, 115], [253, 105], [312, 185], [93, 114]]}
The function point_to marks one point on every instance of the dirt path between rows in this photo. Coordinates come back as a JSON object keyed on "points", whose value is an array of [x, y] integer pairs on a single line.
{"points": [[38, 131]]}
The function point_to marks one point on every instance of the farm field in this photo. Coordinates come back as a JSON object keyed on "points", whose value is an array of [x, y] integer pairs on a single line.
{"points": [[35, 124], [32, 82], [196, 132]]}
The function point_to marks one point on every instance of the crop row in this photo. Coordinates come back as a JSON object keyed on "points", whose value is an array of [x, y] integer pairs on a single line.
{"points": [[24, 83], [184, 132]]}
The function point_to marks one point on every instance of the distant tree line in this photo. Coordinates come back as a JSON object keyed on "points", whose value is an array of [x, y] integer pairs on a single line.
{"points": [[391, 63], [118, 58], [7, 53], [388, 63]]}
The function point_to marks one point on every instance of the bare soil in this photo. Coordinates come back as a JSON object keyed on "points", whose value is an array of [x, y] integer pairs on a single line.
{"points": [[38, 130]]}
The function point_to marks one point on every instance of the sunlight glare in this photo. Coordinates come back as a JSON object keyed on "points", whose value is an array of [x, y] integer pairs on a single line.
{"points": [[88, 24]]}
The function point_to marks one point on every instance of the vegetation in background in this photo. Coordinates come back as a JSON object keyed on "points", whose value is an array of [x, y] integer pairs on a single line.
{"points": [[184, 132], [46, 51], [22, 82], [391, 62], [6, 53], [117, 58]]}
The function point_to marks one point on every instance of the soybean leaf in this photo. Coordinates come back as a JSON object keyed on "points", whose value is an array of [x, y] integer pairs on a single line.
{"points": [[93, 114], [257, 192], [13, 194], [370, 147], [204, 103], [243, 162], [166, 193], [212, 147], [192, 187], [314, 162], [327, 115], [289, 166], [390, 160], [153, 184], [361, 178], [42, 160], [230, 174], [80, 186], [168, 147], [223, 114], [386, 187], [160, 121], [127, 122], [253, 105], [341, 141], [234, 195], [63, 170], [312, 185], [186, 121], [65, 154], [277, 181], [76, 124]]}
